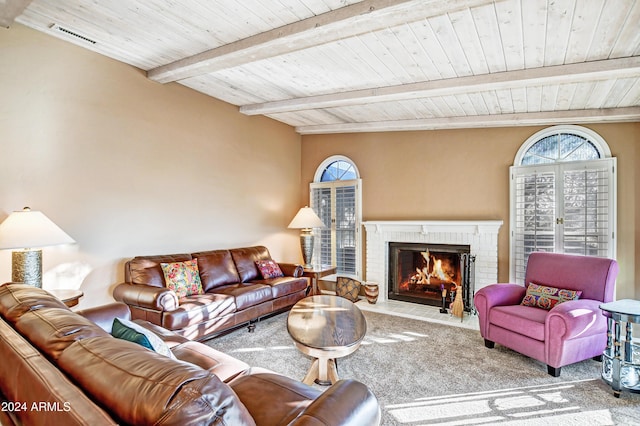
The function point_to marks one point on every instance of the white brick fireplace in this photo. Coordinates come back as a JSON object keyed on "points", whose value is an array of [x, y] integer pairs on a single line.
{"points": [[481, 236]]}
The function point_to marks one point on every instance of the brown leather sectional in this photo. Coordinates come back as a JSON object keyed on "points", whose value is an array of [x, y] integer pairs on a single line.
{"points": [[59, 367], [235, 292]]}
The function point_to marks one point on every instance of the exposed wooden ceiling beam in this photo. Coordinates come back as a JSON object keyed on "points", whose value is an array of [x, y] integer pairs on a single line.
{"points": [[10, 10], [348, 21], [560, 74], [503, 120]]}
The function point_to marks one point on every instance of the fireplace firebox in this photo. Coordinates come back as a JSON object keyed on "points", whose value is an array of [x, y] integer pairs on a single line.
{"points": [[424, 273]]}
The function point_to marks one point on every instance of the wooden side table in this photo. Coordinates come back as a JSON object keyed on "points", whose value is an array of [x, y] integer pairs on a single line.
{"points": [[316, 272], [68, 297]]}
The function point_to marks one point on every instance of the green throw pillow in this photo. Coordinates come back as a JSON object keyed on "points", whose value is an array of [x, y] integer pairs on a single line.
{"points": [[128, 330]]}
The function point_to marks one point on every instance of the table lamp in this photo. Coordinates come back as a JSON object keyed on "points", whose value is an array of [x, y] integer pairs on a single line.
{"points": [[29, 230], [306, 220]]}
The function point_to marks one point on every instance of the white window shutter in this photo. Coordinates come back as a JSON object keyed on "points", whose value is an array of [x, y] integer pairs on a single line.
{"points": [[533, 215], [337, 203], [562, 207], [588, 211]]}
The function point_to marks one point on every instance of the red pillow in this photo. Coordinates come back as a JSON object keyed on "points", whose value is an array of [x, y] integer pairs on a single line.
{"points": [[269, 269]]}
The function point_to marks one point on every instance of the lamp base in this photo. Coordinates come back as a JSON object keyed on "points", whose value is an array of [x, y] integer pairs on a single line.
{"points": [[306, 245], [26, 267]]}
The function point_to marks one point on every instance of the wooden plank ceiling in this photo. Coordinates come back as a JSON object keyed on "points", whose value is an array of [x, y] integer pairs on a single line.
{"points": [[327, 66]]}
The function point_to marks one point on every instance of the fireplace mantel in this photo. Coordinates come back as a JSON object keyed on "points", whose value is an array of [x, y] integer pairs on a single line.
{"points": [[480, 235], [434, 226]]}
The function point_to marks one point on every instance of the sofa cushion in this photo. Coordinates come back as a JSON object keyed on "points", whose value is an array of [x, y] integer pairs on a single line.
{"points": [[245, 260], [283, 286], [546, 297], [524, 320], [52, 330], [193, 309], [146, 269], [216, 268], [269, 269], [17, 299], [127, 330], [246, 295], [30, 378], [222, 365], [152, 389], [183, 277], [274, 387]]}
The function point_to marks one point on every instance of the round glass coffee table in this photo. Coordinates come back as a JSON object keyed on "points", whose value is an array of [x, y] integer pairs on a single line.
{"points": [[326, 328]]}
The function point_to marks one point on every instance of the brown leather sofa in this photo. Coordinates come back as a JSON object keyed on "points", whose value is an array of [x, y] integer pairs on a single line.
{"points": [[60, 367], [235, 292]]}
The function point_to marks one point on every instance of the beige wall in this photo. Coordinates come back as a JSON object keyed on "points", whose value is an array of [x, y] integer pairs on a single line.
{"points": [[128, 167], [463, 174]]}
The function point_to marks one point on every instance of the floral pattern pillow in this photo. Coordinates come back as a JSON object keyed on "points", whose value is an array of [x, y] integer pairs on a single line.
{"points": [[269, 269], [183, 277], [546, 297]]}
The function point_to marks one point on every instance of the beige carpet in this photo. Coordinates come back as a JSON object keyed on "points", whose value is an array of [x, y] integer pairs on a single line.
{"points": [[428, 373]]}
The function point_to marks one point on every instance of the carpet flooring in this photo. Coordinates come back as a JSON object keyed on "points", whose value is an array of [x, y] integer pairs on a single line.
{"points": [[429, 373]]}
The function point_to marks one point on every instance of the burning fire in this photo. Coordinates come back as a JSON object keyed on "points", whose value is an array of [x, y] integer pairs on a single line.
{"points": [[438, 272], [423, 276]]}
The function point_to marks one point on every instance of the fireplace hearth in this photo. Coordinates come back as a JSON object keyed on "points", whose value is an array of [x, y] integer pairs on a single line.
{"points": [[424, 273]]}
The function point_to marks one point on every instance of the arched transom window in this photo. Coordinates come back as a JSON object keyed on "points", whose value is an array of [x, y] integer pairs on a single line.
{"points": [[562, 144]]}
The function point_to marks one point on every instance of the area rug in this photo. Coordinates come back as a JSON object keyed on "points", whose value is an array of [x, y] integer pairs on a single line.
{"points": [[428, 373]]}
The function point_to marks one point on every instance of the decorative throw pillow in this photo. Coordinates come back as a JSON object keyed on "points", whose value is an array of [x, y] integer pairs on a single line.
{"points": [[129, 330], [348, 288], [546, 297], [183, 277], [269, 269]]}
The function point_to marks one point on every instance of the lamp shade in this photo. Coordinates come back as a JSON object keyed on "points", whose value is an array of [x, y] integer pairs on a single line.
{"points": [[30, 229], [305, 219]]}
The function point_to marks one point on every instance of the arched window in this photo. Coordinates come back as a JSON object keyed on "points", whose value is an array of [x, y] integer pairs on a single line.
{"points": [[562, 144], [336, 198], [563, 196], [335, 168]]}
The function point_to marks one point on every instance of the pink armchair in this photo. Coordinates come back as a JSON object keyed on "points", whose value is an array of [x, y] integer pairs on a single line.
{"points": [[571, 331]]}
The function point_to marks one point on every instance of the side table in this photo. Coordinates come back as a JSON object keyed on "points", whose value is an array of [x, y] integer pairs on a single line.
{"points": [[621, 368], [315, 272], [68, 297]]}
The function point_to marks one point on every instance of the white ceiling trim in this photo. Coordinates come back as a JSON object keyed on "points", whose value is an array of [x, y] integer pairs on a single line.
{"points": [[560, 74], [501, 120], [356, 19]]}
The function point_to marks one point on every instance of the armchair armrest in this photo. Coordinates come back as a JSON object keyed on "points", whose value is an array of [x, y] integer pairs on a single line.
{"points": [[575, 318], [146, 296], [501, 295], [347, 402], [495, 295], [103, 315], [291, 269], [574, 321]]}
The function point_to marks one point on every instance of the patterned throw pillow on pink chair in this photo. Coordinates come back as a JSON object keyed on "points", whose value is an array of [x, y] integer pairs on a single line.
{"points": [[546, 297]]}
